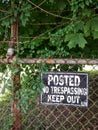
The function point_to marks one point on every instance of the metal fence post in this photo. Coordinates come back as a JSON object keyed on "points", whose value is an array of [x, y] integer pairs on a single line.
{"points": [[16, 112]]}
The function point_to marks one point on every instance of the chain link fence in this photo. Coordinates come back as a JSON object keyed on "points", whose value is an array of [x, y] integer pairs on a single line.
{"points": [[57, 117]]}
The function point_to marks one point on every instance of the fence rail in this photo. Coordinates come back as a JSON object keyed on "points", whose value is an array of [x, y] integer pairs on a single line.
{"points": [[52, 61]]}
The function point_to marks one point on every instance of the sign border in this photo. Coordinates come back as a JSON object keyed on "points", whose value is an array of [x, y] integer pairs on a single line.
{"points": [[64, 104]]}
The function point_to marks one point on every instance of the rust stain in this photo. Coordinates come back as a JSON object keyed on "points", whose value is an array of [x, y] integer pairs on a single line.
{"points": [[49, 61], [17, 116]]}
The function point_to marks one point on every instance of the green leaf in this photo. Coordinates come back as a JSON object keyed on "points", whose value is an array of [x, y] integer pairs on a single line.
{"points": [[79, 26], [95, 34], [87, 2], [82, 5], [87, 28], [69, 28], [94, 24], [51, 1], [81, 41], [86, 12], [72, 41], [24, 21], [61, 4], [75, 39]]}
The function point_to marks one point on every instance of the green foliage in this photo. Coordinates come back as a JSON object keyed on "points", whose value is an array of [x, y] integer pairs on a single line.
{"points": [[80, 18], [24, 12], [91, 27], [18, 10], [77, 5], [31, 84]]}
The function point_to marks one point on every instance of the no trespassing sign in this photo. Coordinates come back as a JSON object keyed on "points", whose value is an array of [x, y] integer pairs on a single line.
{"points": [[65, 88]]}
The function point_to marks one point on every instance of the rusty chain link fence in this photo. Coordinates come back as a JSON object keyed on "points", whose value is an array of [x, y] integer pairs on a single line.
{"points": [[57, 117]]}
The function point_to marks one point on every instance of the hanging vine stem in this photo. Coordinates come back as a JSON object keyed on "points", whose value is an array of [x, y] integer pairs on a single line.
{"points": [[47, 12], [5, 17], [39, 4], [4, 11]]}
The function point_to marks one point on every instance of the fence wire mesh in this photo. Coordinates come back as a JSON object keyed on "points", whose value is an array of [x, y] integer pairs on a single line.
{"points": [[57, 117]]}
